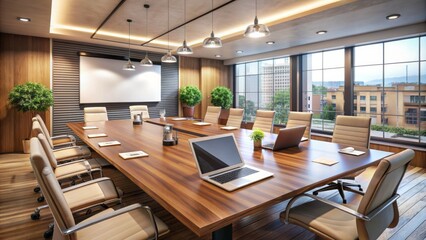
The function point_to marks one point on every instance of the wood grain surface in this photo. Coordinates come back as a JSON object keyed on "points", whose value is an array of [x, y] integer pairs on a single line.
{"points": [[170, 177]]}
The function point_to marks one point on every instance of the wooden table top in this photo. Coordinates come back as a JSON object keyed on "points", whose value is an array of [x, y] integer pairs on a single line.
{"points": [[169, 174]]}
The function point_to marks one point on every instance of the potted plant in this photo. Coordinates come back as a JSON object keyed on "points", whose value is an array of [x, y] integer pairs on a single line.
{"points": [[256, 136], [222, 97], [30, 97], [189, 96]]}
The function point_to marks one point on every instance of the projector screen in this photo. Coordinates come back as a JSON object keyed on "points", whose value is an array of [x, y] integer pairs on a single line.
{"points": [[102, 80]]}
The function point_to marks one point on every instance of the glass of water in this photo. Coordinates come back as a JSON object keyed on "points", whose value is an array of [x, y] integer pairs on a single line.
{"points": [[162, 113]]}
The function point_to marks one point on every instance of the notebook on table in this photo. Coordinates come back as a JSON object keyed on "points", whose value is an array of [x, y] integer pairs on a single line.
{"points": [[287, 137], [219, 162]]}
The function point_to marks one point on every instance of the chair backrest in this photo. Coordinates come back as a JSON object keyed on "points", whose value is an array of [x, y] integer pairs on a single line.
{"points": [[300, 119], [42, 125], [353, 131], [235, 117], [264, 120], [212, 114], [38, 129], [139, 109], [382, 187], [48, 151], [95, 114], [50, 186]]}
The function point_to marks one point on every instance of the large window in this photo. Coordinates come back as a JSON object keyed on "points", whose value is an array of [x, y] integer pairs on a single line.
{"points": [[323, 82], [264, 85], [393, 75]]}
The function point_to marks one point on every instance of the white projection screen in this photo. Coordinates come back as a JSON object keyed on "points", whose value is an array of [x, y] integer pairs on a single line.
{"points": [[102, 80]]}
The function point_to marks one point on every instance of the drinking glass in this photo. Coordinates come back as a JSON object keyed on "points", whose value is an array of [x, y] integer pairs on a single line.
{"points": [[162, 113]]}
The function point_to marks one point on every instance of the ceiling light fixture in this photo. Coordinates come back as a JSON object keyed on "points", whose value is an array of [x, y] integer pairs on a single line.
{"points": [[218, 55], [321, 32], [212, 41], [270, 42], [256, 30], [184, 49], [146, 61], [239, 51], [129, 65], [24, 19], [393, 16], [168, 58]]}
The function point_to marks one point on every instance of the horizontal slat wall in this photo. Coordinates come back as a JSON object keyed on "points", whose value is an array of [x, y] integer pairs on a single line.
{"points": [[65, 68]]}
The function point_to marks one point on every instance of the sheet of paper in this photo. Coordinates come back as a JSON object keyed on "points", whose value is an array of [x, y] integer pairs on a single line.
{"points": [[202, 123], [95, 135], [89, 127], [228, 128], [354, 152], [110, 143], [135, 154], [179, 119], [325, 161]]}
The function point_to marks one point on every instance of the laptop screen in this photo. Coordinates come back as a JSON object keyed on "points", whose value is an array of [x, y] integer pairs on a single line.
{"points": [[217, 153]]}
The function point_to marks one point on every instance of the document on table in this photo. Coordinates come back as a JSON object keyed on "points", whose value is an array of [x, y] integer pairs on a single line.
{"points": [[351, 151], [110, 143], [228, 128], [325, 161], [95, 135], [202, 123], [89, 127], [179, 119], [135, 154]]}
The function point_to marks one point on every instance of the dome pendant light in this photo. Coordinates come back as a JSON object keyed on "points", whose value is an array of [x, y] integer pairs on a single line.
{"points": [[256, 30], [184, 49], [168, 58], [146, 62], [212, 41], [129, 65]]}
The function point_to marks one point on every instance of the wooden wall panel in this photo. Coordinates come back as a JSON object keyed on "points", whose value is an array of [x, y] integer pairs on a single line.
{"points": [[189, 74], [22, 59]]}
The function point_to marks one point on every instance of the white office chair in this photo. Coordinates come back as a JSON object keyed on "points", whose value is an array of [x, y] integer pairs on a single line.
{"points": [[95, 114], [235, 117], [139, 109], [212, 114], [264, 120]]}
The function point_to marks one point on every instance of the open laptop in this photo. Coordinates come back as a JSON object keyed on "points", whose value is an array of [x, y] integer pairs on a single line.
{"points": [[287, 137], [219, 162]]}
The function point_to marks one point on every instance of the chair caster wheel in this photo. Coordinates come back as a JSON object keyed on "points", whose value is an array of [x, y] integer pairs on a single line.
{"points": [[361, 189], [315, 193], [37, 189], [344, 201], [40, 199], [35, 216], [48, 233]]}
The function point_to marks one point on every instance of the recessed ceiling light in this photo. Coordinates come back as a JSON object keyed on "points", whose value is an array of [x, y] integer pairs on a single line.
{"points": [[270, 42], [23, 19], [393, 16], [218, 55], [239, 51], [321, 32]]}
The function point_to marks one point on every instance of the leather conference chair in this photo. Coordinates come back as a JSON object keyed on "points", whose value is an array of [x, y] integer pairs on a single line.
{"points": [[354, 132], [377, 209], [212, 114], [57, 141], [300, 119], [235, 117], [99, 192], [134, 221], [62, 154], [95, 114], [264, 120], [139, 109]]}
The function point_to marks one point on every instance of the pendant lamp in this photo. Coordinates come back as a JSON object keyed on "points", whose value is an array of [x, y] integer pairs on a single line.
{"points": [[212, 41], [129, 65], [168, 58], [256, 30], [146, 61], [184, 49]]}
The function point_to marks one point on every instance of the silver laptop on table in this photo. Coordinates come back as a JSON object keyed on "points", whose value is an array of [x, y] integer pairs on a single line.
{"points": [[287, 137], [219, 162]]}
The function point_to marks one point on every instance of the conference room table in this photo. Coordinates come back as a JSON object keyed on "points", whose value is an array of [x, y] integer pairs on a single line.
{"points": [[170, 176]]}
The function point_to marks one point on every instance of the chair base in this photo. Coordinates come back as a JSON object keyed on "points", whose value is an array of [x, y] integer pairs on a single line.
{"points": [[341, 186]]}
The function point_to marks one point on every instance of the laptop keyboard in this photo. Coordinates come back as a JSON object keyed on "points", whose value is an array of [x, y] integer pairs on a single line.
{"points": [[232, 175]]}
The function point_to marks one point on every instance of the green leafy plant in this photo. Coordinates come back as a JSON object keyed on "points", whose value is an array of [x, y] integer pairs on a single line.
{"points": [[190, 96], [221, 97], [257, 135], [30, 96], [398, 130]]}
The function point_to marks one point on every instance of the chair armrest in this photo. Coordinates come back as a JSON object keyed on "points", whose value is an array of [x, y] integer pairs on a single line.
{"points": [[107, 216], [72, 162], [340, 207], [67, 148], [71, 137], [97, 180]]}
